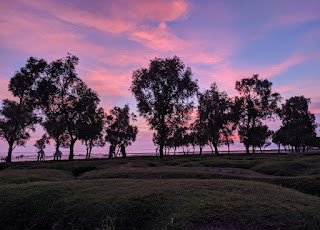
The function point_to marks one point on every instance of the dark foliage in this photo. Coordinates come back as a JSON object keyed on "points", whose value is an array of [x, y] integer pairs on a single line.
{"points": [[255, 104], [119, 132], [164, 91]]}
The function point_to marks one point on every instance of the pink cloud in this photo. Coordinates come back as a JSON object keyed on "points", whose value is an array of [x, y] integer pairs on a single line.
{"points": [[72, 14], [157, 10], [162, 40], [110, 19], [226, 76], [108, 81], [306, 13], [158, 38], [277, 69]]}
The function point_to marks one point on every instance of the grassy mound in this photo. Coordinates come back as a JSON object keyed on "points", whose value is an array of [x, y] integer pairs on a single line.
{"points": [[175, 193], [150, 204]]}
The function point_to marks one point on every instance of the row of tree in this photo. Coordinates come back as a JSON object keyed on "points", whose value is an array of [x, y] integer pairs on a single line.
{"points": [[165, 92], [53, 95]]}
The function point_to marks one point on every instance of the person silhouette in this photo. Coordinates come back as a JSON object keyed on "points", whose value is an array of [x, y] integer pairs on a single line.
{"points": [[57, 155], [123, 151]]}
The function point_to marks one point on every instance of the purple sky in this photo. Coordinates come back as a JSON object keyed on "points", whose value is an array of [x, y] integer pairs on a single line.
{"points": [[221, 41]]}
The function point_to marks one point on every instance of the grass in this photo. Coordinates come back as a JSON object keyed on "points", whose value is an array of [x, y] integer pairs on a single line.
{"points": [[269, 191]]}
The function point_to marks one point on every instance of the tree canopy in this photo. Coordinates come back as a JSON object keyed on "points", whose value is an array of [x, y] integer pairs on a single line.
{"points": [[63, 95], [298, 123], [164, 93], [215, 113], [120, 133], [256, 103], [15, 123], [53, 95]]}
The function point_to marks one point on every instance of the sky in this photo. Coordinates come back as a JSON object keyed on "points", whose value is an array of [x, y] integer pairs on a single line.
{"points": [[222, 41]]}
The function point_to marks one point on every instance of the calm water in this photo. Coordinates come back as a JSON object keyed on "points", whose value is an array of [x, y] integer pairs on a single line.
{"points": [[29, 156]]}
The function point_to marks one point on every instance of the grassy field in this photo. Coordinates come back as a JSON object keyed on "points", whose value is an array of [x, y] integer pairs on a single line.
{"points": [[268, 191]]}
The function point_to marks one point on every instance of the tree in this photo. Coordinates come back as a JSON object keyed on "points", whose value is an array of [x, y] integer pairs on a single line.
{"points": [[255, 103], [15, 123], [41, 143], [227, 135], [316, 142], [200, 131], [119, 131], [64, 95], [18, 118], [260, 137], [91, 129], [282, 137], [56, 129], [299, 122], [215, 110], [186, 142], [164, 92], [23, 83]]}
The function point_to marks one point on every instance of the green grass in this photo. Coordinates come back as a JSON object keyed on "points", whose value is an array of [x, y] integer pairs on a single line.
{"points": [[267, 191]]}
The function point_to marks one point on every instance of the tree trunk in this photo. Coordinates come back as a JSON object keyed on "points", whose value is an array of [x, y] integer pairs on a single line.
{"points": [[87, 155], [90, 150], [10, 152], [161, 150], [200, 150], [73, 141], [123, 152], [247, 149], [174, 152], [216, 150], [211, 149], [228, 148]]}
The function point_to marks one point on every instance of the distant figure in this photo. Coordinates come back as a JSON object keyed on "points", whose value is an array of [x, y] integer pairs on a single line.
{"points": [[57, 155], [41, 155], [123, 151], [112, 151]]}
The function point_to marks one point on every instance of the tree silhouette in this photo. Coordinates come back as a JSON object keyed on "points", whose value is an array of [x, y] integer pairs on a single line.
{"points": [[260, 137], [164, 92], [316, 142], [119, 131], [41, 143], [91, 126], [255, 103], [15, 122], [23, 83], [56, 129], [63, 94], [299, 122], [17, 118], [215, 112], [199, 130]]}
